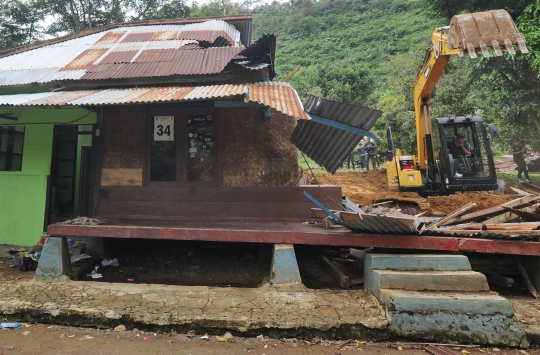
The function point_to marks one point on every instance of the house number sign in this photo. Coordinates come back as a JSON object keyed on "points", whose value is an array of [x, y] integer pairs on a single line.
{"points": [[163, 128]]}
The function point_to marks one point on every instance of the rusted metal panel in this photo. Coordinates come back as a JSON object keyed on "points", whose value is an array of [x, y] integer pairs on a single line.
{"points": [[329, 146], [150, 36], [118, 57], [155, 55], [278, 95], [85, 59], [111, 37], [206, 36]]}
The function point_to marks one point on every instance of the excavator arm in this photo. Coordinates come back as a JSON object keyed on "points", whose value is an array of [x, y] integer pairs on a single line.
{"points": [[467, 33]]}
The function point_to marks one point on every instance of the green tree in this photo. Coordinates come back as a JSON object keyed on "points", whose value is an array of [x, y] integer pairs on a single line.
{"points": [[344, 82], [221, 8], [78, 15], [20, 22]]}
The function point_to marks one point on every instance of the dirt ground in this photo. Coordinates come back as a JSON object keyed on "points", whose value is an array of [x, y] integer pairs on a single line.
{"points": [[191, 263], [59, 340], [367, 188]]}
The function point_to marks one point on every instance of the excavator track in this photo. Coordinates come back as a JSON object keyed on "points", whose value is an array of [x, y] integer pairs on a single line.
{"points": [[476, 32]]}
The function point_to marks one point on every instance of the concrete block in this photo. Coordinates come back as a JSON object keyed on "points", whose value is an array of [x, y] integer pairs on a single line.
{"points": [[417, 262], [443, 326], [426, 302], [284, 265], [54, 262], [467, 281]]}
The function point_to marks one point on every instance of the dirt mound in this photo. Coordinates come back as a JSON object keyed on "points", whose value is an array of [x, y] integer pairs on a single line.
{"points": [[366, 188], [442, 205]]}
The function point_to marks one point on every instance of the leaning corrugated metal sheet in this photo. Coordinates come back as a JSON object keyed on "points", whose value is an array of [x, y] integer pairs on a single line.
{"points": [[280, 96], [329, 146], [379, 225], [127, 52]]}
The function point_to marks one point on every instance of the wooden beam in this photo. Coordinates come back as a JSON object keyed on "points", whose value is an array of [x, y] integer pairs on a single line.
{"points": [[526, 278], [451, 215], [510, 247], [494, 211], [338, 275], [500, 280]]}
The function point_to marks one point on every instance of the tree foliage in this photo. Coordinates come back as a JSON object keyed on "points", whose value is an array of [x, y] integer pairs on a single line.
{"points": [[20, 22]]}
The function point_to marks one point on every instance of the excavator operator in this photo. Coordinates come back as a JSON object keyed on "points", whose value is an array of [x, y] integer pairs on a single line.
{"points": [[459, 148]]}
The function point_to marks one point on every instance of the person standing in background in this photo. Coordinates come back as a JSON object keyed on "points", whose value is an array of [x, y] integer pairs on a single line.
{"points": [[517, 152], [350, 160], [361, 156], [371, 151]]}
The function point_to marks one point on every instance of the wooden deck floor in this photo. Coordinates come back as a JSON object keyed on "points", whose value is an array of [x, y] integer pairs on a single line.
{"points": [[287, 233]]}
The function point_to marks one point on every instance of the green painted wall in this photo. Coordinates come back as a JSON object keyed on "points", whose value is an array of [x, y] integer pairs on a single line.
{"points": [[23, 193]]}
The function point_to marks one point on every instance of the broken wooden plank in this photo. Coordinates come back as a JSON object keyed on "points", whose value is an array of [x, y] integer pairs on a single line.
{"points": [[494, 211], [505, 217], [519, 191], [456, 213], [526, 278], [338, 275], [533, 189], [526, 216], [500, 279]]}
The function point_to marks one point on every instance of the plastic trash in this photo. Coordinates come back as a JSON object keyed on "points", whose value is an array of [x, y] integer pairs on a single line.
{"points": [[110, 262], [80, 257], [10, 325]]}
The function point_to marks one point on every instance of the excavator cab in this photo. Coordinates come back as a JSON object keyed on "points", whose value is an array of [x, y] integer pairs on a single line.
{"points": [[464, 154]]}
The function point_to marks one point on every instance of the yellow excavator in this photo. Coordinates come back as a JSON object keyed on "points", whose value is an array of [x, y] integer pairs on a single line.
{"points": [[454, 152]]}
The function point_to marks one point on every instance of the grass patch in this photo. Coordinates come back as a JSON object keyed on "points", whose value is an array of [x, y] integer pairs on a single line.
{"points": [[510, 178]]}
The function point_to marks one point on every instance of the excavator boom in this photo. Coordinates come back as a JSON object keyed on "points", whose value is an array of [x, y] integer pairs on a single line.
{"points": [[467, 34]]}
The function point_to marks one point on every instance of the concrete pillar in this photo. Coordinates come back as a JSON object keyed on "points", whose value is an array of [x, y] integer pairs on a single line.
{"points": [[54, 262], [94, 247], [284, 265]]}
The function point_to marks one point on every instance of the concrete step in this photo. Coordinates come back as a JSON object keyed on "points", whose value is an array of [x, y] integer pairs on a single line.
{"points": [[465, 281], [481, 318], [417, 262], [426, 301]]}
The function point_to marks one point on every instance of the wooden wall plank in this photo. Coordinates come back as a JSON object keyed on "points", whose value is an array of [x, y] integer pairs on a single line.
{"points": [[219, 194]]}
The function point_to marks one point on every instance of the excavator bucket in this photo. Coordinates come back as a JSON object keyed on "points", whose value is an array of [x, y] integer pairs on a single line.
{"points": [[475, 32]]}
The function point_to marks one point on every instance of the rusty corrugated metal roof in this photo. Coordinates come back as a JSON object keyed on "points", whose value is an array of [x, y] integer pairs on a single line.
{"points": [[329, 146], [280, 96], [128, 52]]}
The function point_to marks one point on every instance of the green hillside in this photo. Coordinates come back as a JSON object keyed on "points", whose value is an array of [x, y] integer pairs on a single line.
{"points": [[368, 52]]}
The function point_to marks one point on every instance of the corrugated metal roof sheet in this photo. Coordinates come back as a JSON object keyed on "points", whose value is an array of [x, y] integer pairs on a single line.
{"points": [[380, 225], [159, 51], [280, 96], [329, 146]]}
